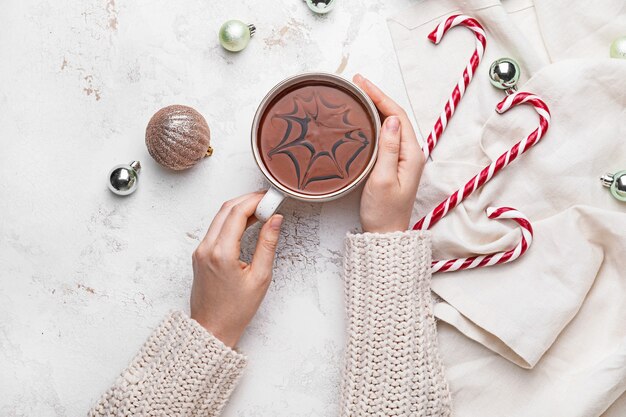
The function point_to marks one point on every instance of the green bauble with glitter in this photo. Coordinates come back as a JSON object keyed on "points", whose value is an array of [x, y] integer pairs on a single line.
{"points": [[235, 35], [618, 48]]}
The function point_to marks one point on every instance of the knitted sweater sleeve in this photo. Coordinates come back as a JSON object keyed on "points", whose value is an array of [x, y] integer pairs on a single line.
{"points": [[392, 365], [182, 370]]}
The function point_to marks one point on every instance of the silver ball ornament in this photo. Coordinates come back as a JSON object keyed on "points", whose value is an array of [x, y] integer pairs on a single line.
{"points": [[321, 6], [123, 178], [504, 74], [234, 35], [618, 48]]}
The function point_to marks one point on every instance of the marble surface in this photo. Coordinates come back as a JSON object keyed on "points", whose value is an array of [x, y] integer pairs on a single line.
{"points": [[86, 275]]}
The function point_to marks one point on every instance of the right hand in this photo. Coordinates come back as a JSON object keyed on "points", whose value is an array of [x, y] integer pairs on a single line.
{"points": [[226, 291], [389, 193]]}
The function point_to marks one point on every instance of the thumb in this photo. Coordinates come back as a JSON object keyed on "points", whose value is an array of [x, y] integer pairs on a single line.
{"points": [[386, 167], [263, 259]]}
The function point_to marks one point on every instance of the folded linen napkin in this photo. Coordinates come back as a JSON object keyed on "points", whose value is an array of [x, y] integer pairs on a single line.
{"points": [[551, 309]]}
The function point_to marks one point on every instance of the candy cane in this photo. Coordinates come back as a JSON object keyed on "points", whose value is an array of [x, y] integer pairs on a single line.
{"points": [[504, 160], [488, 172], [496, 258], [481, 42]]}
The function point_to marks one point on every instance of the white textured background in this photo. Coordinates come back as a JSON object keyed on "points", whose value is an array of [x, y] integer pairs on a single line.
{"points": [[86, 275]]}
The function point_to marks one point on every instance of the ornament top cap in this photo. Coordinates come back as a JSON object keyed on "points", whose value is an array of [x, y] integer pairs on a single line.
{"points": [[252, 29], [136, 165]]}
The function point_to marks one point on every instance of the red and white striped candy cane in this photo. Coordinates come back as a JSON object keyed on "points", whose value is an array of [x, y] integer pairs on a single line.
{"points": [[488, 172], [496, 258], [505, 159], [481, 42]]}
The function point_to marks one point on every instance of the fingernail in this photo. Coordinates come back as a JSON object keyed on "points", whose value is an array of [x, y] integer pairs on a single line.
{"points": [[358, 77], [392, 124], [276, 221]]}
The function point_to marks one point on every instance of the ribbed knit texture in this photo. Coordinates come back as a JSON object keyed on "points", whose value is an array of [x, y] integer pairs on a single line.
{"points": [[182, 370], [392, 365]]}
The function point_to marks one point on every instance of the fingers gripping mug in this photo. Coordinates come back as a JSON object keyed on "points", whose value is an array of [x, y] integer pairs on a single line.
{"points": [[315, 138]]}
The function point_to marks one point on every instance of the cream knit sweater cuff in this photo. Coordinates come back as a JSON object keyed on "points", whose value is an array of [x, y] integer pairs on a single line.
{"points": [[392, 364], [182, 370]]}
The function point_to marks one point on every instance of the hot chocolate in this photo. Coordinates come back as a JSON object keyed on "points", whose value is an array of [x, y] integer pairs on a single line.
{"points": [[316, 138]]}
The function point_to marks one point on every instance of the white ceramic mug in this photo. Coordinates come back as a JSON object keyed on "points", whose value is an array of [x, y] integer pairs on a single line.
{"points": [[277, 193]]}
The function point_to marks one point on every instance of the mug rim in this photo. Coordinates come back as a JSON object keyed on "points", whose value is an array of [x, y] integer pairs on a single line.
{"points": [[315, 76]]}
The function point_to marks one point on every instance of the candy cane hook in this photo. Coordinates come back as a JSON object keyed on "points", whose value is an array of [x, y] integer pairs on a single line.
{"points": [[496, 166], [496, 258], [481, 42], [480, 179]]}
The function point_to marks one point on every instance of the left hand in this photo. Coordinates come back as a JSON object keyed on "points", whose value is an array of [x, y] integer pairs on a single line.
{"points": [[389, 193]]}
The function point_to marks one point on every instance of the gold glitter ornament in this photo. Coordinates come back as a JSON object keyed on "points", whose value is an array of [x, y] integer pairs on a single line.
{"points": [[178, 137]]}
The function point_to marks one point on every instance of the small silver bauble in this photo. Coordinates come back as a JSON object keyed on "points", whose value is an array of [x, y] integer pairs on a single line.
{"points": [[617, 184], [123, 178], [618, 48], [321, 6], [504, 74], [235, 35]]}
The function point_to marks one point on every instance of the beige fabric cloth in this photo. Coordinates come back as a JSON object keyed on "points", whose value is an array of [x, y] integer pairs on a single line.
{"points": [[392, 365], [561, 309]]}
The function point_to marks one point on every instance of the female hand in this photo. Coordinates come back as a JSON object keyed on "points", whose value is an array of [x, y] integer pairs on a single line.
{"points": [[226, 291], [389, 193]]}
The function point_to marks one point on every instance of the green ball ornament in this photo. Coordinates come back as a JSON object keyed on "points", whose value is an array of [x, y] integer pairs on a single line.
{"points": [[618, 48], [235, 35], [321, 6]]}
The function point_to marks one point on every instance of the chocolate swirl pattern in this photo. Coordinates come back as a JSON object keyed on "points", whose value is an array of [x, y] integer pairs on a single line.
{"points": [[324, 135]]}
